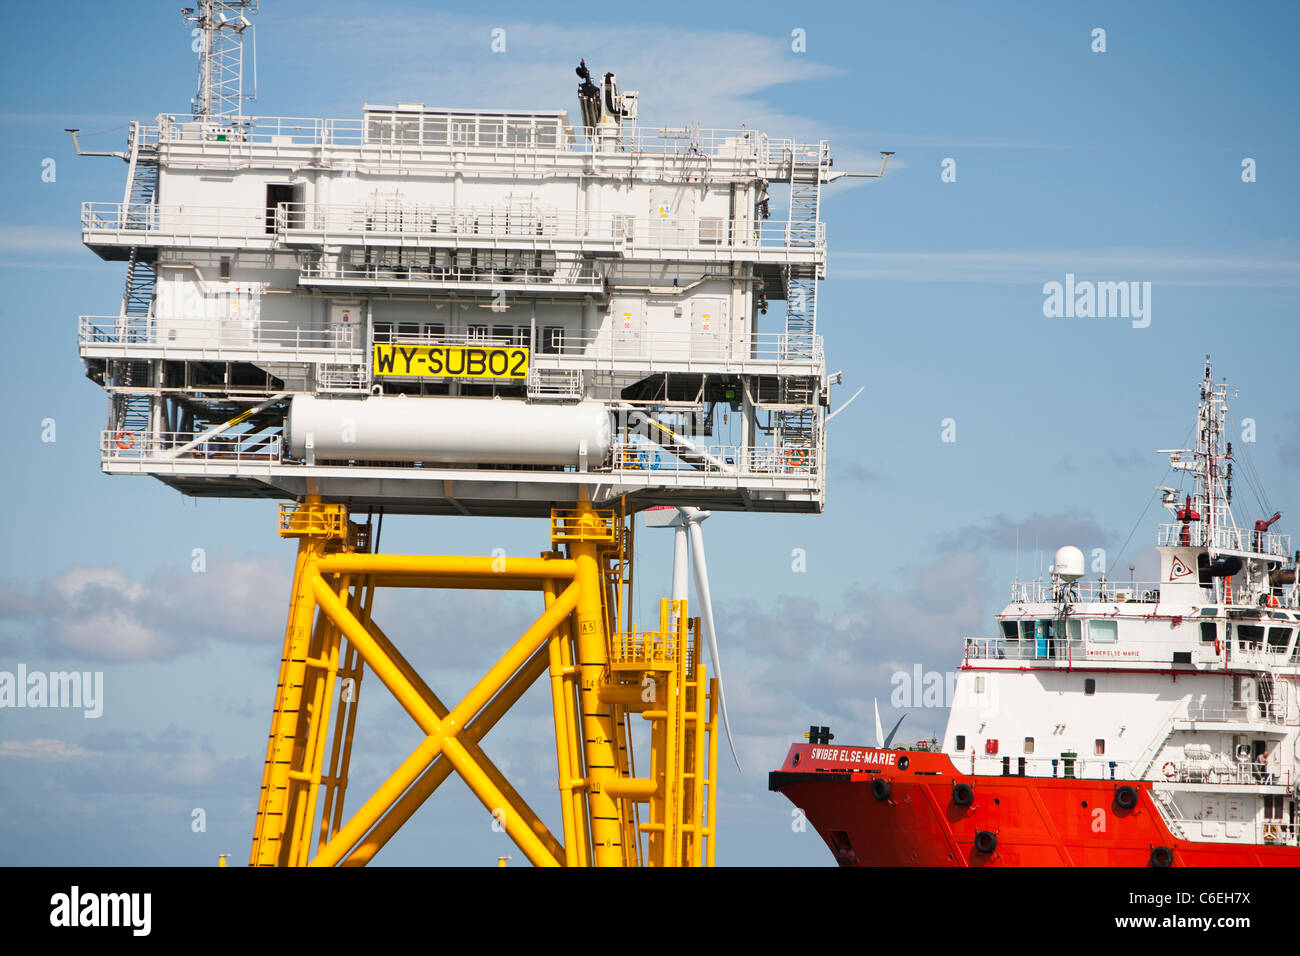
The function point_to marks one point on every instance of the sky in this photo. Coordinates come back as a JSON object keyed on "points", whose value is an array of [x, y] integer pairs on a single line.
{"points": [[988, 432]]}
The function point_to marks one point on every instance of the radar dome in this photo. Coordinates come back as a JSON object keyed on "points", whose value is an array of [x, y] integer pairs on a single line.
{"points": [[1068, 563]]}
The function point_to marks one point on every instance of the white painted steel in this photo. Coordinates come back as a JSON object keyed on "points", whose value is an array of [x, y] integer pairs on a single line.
{"points": [[458, 430]]}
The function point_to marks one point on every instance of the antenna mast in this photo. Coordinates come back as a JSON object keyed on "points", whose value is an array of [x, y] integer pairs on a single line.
{"points": [[220, 35]]}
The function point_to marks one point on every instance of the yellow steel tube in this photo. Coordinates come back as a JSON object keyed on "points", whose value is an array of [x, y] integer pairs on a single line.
{"points": [[440, 769], [514, 800], [559, 688], [457, 566], [303, 548], [409, 698], [597, 722], [269, 847]]}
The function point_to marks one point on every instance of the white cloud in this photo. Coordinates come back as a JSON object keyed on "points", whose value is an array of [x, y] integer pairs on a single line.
{"points": [[1267, 269], [46, 749]]}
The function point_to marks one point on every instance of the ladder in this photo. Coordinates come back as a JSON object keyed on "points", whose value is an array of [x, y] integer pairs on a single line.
{"points": [[139, 209]]}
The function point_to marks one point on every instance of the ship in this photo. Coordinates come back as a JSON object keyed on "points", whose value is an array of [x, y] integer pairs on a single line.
{"points": [[1107, 723]]}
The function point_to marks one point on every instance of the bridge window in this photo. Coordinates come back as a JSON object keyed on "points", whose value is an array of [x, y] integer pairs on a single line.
{"points": [[1209, 631], [1250, 635], [1074, 628], [1103, 632], [1010, 630], [1279, 638]]}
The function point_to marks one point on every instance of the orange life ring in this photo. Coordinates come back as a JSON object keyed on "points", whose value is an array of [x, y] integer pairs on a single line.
{"points": [[797, 457], [1170, 769], [125, 440]]}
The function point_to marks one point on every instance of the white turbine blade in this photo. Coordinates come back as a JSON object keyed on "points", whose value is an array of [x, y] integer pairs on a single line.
{"points": [[844, 406], [890, 739], [680, 562], [880, 731], [701, 569]]}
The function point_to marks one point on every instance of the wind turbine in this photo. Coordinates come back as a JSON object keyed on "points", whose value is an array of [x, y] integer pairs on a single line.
{"points": [[883, 742], [688, 549]]}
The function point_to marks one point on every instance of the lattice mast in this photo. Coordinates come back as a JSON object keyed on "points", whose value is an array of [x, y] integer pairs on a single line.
{"points": [[219, 38]]}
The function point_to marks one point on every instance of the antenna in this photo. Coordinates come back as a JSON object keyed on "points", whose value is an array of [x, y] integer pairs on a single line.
{"points": [[221, 26]]}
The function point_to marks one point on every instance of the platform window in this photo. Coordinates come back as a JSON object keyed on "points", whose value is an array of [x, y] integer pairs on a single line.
{"points": [[435, 331], [1250, 635], [553, 339], [961, 741], [1074, 628], [1209, 631], [1103, 632], [1279, 638], [1027, 632], [1089, 686], [477, 333], [408, 331], [383, 331], [1029, 745]]}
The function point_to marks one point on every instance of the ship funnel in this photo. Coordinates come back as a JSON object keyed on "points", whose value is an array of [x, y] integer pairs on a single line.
{"points": [[1068, 564]]}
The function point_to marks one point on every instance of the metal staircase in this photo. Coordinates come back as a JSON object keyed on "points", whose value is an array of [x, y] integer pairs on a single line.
{"points": [[797, 424], [139, 211]]}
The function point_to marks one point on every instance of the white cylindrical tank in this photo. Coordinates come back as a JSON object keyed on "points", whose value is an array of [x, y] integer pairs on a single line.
{"points": [[1068, 564], [458, 430]]}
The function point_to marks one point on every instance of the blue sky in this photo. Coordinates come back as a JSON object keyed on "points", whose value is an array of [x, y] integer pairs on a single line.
{"points": [[1122, 165]]}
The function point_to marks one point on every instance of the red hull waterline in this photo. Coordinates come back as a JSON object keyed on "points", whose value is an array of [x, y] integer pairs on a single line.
{"points": [[914, 818]]}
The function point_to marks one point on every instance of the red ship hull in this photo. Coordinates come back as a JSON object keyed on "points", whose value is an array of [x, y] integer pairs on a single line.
{"points": [[915, 816]]}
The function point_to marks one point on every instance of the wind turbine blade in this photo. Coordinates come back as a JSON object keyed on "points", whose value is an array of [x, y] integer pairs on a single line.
{"points": [[880, 731], [844, 406], [890, 739], [701, 568]]}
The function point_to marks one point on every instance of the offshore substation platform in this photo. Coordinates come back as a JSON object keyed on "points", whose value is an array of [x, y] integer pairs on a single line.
{"points": [[480, 313]]}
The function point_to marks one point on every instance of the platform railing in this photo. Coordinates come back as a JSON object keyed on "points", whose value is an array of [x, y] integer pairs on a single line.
{"points": [[217, 335], [337, 222], [437, 131], [134, 223], [573, 274], [730, 460], [181, 446]]}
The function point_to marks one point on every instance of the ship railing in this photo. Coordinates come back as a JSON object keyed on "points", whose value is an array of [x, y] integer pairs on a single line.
{"points": [[1221, 771], [1270, 832], [337, 222], [127, 444], [646, 458], [216, 334], [1084, 592], [436, 130], [140, 222], [997, 648], [1239, 711], [1226, 538]]}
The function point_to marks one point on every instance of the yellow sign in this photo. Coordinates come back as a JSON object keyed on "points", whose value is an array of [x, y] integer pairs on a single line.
{"points": [[451, 361]]}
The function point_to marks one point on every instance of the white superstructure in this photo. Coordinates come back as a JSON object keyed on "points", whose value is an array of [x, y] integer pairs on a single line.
{"points": [[496, 279], [1192, 681]]}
